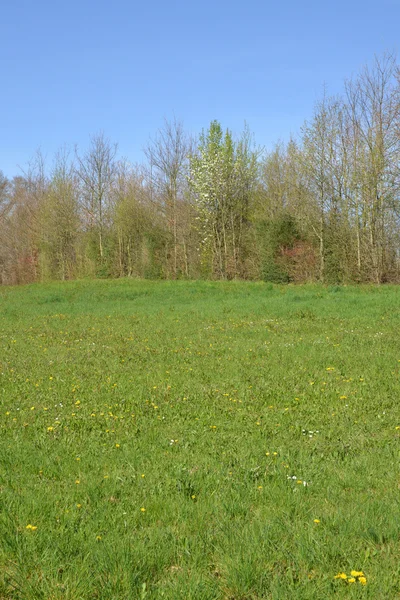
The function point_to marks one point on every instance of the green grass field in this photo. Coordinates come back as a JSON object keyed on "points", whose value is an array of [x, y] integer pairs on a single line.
{"points": [[199, 441]]}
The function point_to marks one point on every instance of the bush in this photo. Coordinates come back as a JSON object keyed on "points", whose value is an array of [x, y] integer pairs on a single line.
{"points": [[272, 272]]}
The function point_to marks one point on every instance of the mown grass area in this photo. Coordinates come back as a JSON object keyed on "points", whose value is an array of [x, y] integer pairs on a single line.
{"points": [[194, 440]]}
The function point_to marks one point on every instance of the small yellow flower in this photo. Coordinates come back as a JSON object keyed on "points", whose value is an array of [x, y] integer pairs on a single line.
{"points": [[299, 481], [362, 580], [357, 574], [77, 481], [351, 580], [79, 506], [50, 429], [341, 576], [98, 538], [117, 446], [317, 521], [343, 397], [143, 509], [31, 527]]}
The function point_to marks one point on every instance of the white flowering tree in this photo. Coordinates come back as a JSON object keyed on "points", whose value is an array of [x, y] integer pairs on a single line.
{"points": [[222, 177]]}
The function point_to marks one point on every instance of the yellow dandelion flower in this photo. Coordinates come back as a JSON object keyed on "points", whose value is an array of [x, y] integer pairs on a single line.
{"points": [[30, 527], [362, 580], [357, 574], [317, 521], [50, 429], [143, 509], [77, 481], [340, 576], [351, 580]]}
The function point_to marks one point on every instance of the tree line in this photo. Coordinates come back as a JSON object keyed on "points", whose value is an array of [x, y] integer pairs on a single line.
{"points": [[324, 206]]}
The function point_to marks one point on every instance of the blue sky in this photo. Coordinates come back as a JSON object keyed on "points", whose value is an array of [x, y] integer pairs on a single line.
{"points": [[73, 68]]}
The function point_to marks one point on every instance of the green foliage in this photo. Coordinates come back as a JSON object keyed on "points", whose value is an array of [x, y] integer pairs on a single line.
{"points": [[222, 177], [272, 272], [155, 249], [218, 408], [284, 232], [338, 252], [273, 237]]}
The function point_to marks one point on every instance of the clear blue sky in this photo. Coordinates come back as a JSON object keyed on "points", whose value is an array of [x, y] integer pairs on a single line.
{"points": [[73, 68]]}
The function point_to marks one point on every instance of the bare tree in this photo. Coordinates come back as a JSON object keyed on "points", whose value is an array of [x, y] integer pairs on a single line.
{"points": [[5, 196], [373, 108], [60, 220], [134, 216], [318, 157], [167, 155], [96, 170]]}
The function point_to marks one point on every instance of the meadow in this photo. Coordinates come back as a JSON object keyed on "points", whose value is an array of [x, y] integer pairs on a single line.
{"points": [[199, 441]]}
